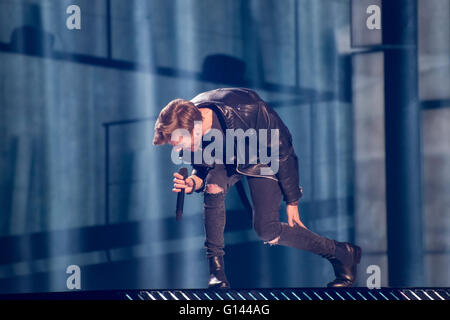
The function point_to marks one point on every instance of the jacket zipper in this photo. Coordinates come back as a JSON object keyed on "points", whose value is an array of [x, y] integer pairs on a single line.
{"points": [[253, 175]]}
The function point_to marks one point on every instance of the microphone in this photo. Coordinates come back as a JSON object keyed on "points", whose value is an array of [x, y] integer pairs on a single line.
{"points": [[180, 197]]}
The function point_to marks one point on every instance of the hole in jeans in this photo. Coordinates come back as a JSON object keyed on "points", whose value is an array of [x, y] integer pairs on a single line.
{"points": [[273, 242], [214, 189]]}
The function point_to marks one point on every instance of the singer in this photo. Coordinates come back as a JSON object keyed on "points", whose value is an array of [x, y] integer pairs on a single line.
{"points": [[226, 110]]}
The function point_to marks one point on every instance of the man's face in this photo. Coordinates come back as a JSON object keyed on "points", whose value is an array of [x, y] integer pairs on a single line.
{"points": [[190, 142], [184, 142]]}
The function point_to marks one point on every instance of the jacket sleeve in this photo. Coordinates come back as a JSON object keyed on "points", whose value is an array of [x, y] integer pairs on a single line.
{"points": [[288, 178], [288, 173]]}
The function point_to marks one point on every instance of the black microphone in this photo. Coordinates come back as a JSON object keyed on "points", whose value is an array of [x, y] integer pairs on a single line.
{"points": [[180, 197]]}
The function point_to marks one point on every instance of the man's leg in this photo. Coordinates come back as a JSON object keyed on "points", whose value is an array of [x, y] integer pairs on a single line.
{"points": [[266, 197], [217, 183], [214, 211]]}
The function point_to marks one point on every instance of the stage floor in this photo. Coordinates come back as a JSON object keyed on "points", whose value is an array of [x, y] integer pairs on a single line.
{"points": [[263, 294]]}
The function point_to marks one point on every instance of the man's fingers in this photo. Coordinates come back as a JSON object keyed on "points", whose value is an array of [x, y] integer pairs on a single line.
{"points": [[180, 181], [189, 181], [177, 175], [290, 221], [299, 222]]}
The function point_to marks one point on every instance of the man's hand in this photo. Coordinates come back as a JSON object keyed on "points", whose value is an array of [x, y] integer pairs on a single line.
{"points": [[293, 216], [179, 183]]}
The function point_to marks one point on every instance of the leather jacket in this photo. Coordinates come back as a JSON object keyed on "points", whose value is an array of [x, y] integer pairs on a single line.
{"points": [[242, 108]]}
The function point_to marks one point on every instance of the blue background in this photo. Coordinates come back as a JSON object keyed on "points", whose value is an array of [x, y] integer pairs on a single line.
{"points": [[80, 184]]}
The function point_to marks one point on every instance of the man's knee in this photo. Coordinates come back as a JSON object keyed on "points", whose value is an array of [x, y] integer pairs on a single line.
{"points": [[213, 189], [214, 196], [274, 241], [269, 233]]}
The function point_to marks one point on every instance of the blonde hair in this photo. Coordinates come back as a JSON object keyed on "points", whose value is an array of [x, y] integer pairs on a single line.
{"points": [[177, 114]]}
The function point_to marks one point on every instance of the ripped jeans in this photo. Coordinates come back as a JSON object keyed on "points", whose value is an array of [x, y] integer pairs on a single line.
{"points": [[266, 199]]}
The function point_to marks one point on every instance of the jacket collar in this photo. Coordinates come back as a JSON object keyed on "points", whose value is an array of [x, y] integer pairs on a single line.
{"points": [[221, 111]]}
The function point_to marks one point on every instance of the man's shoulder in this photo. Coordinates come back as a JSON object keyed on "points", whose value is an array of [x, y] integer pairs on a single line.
{"points": [[227, 96]]}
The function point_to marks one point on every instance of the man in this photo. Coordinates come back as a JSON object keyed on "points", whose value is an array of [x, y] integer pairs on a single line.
{"points": [[233, 110]]}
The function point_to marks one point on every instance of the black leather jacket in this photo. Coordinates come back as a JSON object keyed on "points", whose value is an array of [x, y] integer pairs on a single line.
{"points": [[241, 108]]}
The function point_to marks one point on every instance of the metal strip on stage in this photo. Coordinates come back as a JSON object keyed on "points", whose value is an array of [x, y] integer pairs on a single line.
{"points": [[263, 294]]}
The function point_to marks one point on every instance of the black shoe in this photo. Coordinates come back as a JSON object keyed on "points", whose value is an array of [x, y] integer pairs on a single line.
{"points": [[344, 264], [217, 278]]}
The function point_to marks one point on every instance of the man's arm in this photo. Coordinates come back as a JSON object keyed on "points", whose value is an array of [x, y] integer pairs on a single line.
{"points": [[288, 178], [288, 175]]}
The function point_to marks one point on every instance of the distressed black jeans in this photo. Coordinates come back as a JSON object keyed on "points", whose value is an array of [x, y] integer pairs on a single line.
{"points": [[266, 198]]}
